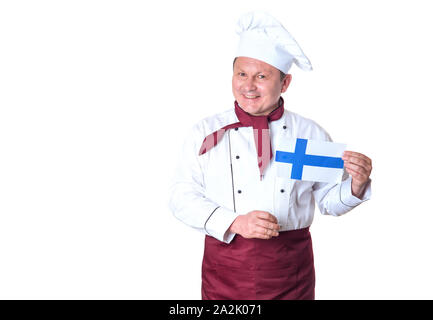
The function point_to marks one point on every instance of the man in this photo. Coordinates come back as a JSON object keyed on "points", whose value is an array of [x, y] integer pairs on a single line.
{"points": [[258, 244]]}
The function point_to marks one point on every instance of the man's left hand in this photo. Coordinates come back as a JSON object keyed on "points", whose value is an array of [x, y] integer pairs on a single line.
{"points": [[359, 167]]}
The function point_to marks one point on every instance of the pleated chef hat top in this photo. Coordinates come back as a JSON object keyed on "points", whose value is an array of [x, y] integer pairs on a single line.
{"points": [[263, 38]]}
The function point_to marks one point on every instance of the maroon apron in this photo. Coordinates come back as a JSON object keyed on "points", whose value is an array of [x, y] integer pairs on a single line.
{"points": [[257, 269]]}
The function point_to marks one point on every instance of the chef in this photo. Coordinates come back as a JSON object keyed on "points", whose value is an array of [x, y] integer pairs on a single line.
{"points": [[257, 243]]}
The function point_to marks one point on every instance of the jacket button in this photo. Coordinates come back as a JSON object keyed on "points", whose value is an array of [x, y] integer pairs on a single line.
{"points": [[284, 127], [282, 190], [239, 191], [236, 129], [237, 157]]}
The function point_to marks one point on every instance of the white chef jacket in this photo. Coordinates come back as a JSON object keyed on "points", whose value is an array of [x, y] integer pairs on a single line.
{"points": [[211, 190]]}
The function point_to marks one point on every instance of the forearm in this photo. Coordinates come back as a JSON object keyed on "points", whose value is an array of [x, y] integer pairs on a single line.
{"points": [[339, 199]]}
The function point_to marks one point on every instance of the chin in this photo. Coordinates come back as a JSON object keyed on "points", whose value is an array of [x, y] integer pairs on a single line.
{"points": [[250, 106]]}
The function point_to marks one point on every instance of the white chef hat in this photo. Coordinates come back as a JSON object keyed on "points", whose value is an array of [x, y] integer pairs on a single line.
{"points": [[263, 38]]}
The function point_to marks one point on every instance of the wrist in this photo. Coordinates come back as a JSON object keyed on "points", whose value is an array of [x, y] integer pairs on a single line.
{"points": [[234, 226], [358, 191]]}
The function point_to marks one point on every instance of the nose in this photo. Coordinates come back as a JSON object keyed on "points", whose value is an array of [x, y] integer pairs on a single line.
{"points": [[249, 84]]}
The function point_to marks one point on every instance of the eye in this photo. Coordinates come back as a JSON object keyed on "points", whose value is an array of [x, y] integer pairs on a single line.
{"points": [[261, 76], [242, 74]]}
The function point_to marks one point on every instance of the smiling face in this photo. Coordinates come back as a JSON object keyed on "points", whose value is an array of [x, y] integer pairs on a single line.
{"points": [[257, 86]]}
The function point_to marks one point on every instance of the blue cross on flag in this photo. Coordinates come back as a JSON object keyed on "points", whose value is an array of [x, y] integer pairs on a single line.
{"points": [[310, 160]]}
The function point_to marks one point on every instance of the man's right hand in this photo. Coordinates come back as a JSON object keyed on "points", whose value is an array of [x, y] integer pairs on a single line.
{"points": [[256, 224]]}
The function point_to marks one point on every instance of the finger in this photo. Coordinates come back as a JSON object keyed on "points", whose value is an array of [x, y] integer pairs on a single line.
{"points": [[360, 168], [356, 155], [357, 168], [353, 154], [357, 176], [266, 216], [358, 161], [268, 225], [264, 233], [260, 235]]}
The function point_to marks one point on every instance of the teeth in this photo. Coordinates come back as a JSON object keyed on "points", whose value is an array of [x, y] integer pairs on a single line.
{"points": [[251, 97]]}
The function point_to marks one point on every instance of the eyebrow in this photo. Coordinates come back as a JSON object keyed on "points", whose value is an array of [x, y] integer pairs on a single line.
{"points": [[256, 74]]}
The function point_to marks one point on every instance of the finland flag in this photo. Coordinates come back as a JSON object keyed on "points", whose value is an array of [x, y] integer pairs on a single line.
{"points": [[310, 160]]}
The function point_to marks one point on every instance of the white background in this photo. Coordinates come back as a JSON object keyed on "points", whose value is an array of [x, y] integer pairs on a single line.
{"points": [[96, 98]]}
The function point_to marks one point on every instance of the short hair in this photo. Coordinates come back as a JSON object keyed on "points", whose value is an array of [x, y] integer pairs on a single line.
{"points": [[282, 74]]}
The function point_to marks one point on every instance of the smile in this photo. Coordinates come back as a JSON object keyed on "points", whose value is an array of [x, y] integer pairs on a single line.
{"points": [[250, 96]]}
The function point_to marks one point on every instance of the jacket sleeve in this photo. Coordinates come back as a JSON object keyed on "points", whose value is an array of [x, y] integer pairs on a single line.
{"points": [[188, 200], [338, 199]]}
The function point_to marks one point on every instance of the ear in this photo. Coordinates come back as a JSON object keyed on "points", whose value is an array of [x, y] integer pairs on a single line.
{"points": [[286, 82]]}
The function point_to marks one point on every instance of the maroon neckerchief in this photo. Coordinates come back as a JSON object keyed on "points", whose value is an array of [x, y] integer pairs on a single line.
{"points": [[261, 133]]}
